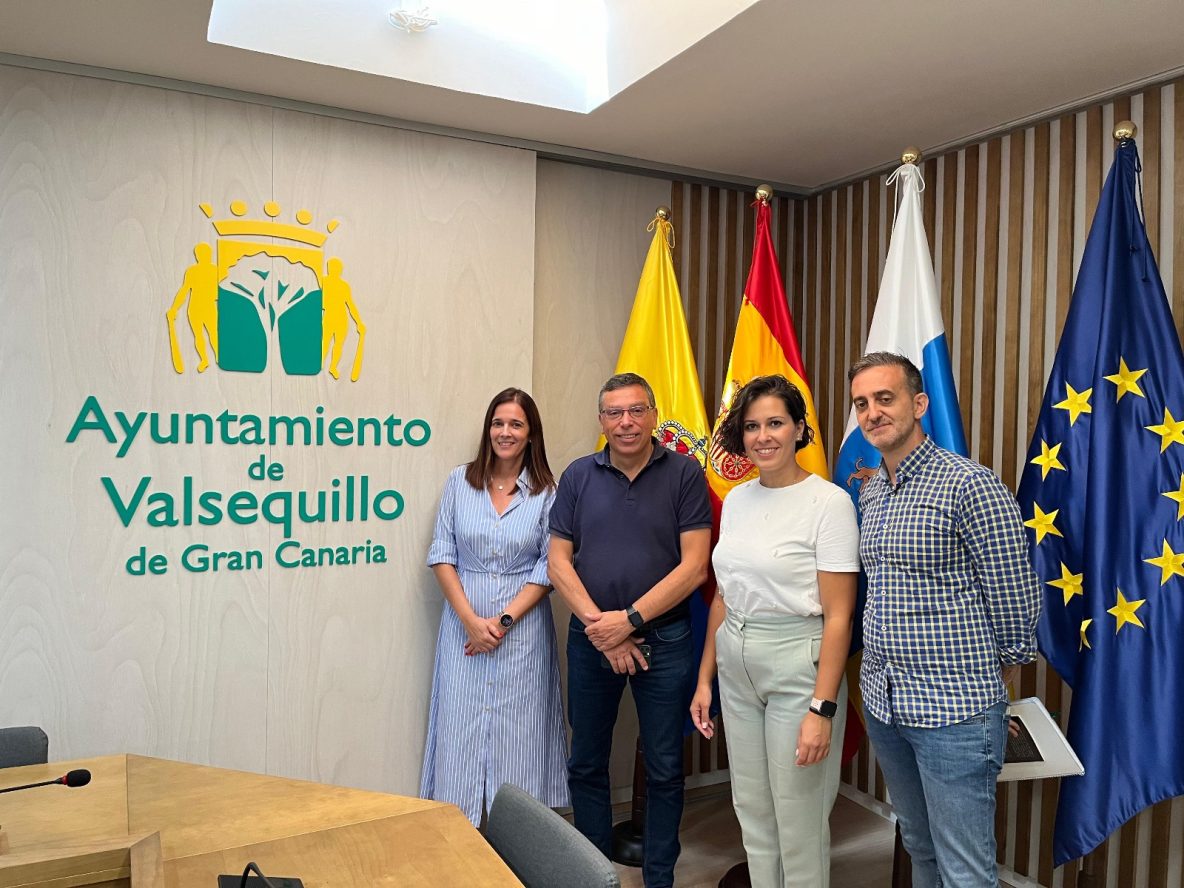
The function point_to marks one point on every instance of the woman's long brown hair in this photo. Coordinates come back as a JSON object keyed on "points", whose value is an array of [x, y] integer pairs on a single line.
{"points": [[480, 470]]}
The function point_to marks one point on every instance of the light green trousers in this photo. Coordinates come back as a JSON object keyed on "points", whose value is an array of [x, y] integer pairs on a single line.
{"points": [[767, 668]]}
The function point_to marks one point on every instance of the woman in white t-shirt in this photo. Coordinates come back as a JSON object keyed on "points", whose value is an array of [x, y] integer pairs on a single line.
{"points": [[779, 629]]}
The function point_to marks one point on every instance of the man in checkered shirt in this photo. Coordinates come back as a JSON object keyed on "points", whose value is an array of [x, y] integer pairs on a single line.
{"points": [[952, 604]]}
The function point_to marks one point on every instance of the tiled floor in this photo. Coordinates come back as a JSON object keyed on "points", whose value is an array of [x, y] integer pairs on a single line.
{"points": [[861, 846]]}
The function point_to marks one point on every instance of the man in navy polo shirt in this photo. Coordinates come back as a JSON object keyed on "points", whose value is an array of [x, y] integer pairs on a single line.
{"points": [[630, 541]]}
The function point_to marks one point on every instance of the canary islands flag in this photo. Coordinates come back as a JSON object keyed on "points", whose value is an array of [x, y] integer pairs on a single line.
{"points": [[907, 321], [1103, 498]]}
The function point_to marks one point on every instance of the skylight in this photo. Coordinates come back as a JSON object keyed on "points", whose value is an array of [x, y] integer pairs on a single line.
{"points": [[568, 54]]}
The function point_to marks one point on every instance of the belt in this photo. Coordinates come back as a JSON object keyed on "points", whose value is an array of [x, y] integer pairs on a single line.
{"points": [[672, 616]]}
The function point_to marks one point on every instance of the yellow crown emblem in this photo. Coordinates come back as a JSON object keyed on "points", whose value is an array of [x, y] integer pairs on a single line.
{"points": [[240, 227], [246, 306]]}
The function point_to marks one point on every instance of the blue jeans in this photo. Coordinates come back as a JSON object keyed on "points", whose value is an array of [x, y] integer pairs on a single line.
{"points": [[662, 695], [942, 784]]}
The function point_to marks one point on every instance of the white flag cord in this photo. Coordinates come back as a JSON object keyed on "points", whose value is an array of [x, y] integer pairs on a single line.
{"points": [[904, 168]]}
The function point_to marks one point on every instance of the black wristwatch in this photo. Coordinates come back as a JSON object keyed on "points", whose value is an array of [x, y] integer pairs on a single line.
{"points": [[636, 620], [825, 708], [506, 621]]}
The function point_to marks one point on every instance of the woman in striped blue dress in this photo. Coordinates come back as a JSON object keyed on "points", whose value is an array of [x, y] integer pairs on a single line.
{"points": [[496, 714]]}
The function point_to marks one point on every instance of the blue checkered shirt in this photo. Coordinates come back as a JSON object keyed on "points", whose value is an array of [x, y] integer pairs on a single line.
{"points": [[951, 594]]}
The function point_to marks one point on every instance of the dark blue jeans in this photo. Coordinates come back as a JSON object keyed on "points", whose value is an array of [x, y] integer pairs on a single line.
{"points": [[662, 695]]}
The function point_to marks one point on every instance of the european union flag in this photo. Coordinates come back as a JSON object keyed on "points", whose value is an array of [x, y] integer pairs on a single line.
{"points": [[1103, 496]]}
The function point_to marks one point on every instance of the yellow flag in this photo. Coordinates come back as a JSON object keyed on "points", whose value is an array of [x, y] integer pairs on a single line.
{"points": [[658, 348]]}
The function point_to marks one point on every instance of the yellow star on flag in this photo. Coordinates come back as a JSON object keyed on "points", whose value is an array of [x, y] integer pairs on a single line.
{"points": [[1042, 523], [1124, 612], [1075, 402], [1047, 460], [1069, 583], [1171, 432], [1085, 641], [1178, 496], [1169, 563], [1127, 380]]}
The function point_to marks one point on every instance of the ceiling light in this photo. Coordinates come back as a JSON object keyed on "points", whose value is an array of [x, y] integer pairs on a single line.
{"points": [[412, 21]]}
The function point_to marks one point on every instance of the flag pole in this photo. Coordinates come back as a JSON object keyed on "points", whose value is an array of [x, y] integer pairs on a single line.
{"points": [[628, 835], [902, 863], [1124, 131], [738, 876]]}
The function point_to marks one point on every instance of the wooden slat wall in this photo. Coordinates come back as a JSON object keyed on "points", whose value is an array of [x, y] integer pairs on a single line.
{"points": [[1006, 220]]}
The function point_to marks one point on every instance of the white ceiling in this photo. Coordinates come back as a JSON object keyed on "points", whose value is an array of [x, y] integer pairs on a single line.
{"points": [[788, 91]]}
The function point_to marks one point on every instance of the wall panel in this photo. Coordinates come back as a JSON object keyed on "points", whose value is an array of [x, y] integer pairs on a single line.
{"points": [[318, 673], [95, 228]]}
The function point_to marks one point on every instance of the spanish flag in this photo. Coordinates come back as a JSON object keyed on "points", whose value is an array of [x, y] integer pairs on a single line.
{"points": [[765, 343], [658, 347]]}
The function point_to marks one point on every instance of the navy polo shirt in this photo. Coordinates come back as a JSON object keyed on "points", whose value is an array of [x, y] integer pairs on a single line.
{"points": [[625, 534]]}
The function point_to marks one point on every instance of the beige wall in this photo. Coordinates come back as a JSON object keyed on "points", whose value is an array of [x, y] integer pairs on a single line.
{"points": [[474, 267], [320, 673]]}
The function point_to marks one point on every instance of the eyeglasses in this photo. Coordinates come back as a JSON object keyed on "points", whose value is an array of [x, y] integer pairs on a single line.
{"points": [[614, 414]]}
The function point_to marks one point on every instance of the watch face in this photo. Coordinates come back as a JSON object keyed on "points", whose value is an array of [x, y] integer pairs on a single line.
{"points": [[828, 709], [507, 621]]}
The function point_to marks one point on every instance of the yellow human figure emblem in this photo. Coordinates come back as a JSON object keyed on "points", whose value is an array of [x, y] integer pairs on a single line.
{"points": [[200, 287], [338, 303]]}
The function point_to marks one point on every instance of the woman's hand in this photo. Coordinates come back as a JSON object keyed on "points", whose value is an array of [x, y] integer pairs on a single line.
{"points": [[701, 710], [485, 634], [813, 739]]}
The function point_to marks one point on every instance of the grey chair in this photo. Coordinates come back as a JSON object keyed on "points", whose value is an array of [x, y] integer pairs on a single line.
{"points": [[23, 746], [543, 849]]}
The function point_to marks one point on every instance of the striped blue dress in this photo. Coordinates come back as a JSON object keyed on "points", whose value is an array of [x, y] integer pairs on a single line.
{"points": [[495, 718]]}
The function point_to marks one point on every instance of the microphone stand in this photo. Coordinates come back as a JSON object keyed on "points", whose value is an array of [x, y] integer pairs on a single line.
{"points": [[30, 785]]}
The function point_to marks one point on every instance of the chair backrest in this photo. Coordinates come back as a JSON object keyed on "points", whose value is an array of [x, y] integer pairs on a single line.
{"points": [[543, 849], [23, 746]]}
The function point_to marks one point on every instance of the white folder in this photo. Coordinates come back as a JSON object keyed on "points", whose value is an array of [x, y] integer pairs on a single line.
{"points": [[1041, 750]]}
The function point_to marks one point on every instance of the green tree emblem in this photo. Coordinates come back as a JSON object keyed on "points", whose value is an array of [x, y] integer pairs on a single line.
{"points": [[265, 300]]}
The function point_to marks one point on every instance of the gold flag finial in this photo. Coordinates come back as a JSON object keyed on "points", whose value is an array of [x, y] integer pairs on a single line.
{"points": [[912, 155], [764, 193], [661, 221], [1125, 130]]}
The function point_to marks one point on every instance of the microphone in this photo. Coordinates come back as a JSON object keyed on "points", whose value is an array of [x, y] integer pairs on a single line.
{"points": [[77, 777]]}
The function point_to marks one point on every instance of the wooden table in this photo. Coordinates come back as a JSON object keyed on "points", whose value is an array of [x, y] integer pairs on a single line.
{"points": [[213, 821]]}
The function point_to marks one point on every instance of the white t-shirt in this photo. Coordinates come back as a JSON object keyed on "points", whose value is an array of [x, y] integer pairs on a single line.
{"points": [[773, 542]]}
